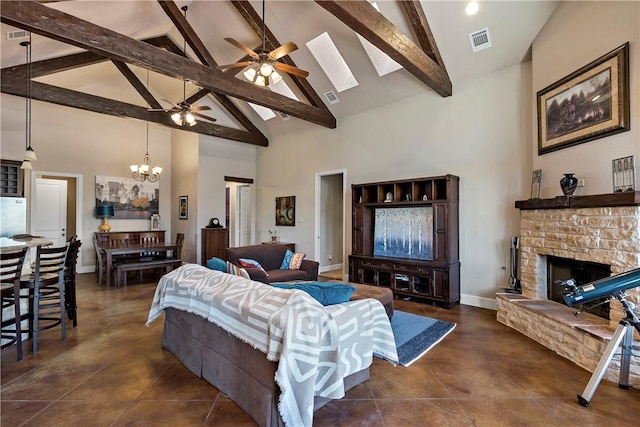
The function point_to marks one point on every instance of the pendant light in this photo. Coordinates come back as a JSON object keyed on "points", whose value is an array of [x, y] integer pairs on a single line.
{"points": [[144, 171], [29, 154]]}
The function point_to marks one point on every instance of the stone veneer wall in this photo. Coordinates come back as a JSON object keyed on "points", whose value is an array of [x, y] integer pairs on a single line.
{"points": [[607, 235]]}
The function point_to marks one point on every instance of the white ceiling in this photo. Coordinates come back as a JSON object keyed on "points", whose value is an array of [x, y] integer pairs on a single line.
{"points": [[513, 25]]}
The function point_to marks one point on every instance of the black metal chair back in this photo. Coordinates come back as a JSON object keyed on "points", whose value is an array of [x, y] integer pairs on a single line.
{"points": [[10, 271]]}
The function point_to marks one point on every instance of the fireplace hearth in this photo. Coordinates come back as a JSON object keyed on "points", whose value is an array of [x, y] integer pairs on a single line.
{"points": [[597, 229], [562, 269]]}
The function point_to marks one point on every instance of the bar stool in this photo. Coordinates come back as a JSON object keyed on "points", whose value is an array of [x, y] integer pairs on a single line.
{"points": [[46, 285], [10, 270]]}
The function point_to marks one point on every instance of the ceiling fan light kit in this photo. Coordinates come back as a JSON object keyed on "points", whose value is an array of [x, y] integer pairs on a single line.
{"points": [[262, 64]]}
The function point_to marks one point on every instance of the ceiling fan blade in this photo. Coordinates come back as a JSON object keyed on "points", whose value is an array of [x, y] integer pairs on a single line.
{"points": [[200, 108], [283, 50], [243, 47], [158, 109], [291, 70], [236, 65], [202, 116]]}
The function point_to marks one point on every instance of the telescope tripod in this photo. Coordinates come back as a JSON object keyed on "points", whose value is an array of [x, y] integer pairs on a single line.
{"points": [[624, 334]]}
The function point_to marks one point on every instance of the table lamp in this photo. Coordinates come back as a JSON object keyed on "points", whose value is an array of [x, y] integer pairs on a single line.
{"points": [[105, 211]]}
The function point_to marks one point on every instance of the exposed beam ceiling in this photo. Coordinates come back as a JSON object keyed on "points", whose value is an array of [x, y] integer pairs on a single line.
{"points": [[365, 20], [163, 56], [65, 28]]}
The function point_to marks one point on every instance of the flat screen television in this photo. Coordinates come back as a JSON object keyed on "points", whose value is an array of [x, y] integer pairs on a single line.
{"points": [[404, 233]]}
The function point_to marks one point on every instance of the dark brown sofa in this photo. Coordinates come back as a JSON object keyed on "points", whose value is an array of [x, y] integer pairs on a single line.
{"points": [[270, 257]]}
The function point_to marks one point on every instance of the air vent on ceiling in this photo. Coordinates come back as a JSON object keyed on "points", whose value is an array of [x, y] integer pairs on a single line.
{"points": [[480, 39], [284, 116], [331, 97], [17, 35]]}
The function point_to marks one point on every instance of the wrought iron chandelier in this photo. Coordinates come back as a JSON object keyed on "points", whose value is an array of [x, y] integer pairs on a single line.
{"points": [[145, 172]]}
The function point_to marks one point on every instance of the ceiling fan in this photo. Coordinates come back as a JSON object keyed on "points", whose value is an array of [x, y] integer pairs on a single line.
{"points": [[183, 113], [263, 64]]}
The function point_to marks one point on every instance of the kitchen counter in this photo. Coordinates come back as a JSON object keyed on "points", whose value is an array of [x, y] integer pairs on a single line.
{"points": [[9, 244]]}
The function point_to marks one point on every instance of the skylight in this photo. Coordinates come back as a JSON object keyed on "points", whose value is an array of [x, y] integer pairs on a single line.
{"points": [[283, 89], [332, 63], [263, 112], [380, 60]]}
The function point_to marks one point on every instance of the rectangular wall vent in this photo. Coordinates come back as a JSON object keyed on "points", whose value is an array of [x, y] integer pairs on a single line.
{"points": [[331, 97], [17, 35], [284, 116], [480, 39]]}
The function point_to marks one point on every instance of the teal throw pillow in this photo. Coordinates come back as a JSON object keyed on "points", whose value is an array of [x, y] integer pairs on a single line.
{"points": [[287, 260], [326, 293], [217, 264]]}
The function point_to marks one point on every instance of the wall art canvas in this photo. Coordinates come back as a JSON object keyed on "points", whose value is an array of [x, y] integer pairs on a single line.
{"points": [[130, 199], [286, 210], [404, 233]]}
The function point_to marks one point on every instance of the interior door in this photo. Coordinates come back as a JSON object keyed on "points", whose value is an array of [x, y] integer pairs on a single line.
{"points": [[244, 215], [50, 209]]}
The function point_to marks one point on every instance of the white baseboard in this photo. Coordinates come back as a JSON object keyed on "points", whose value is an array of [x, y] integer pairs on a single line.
{"points": [[330, 267], [476, 301], [86, 269]]}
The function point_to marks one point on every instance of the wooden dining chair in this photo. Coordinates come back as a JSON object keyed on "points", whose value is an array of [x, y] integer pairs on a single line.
{"points": [[179, 242], [101, 262], [10, 270]]}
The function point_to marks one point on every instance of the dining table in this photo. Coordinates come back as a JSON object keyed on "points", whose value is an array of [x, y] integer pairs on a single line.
{"points": [[133, 249]]}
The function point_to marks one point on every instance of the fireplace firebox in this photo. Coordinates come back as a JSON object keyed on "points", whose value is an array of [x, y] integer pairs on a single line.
{"points": [[561, 269]]}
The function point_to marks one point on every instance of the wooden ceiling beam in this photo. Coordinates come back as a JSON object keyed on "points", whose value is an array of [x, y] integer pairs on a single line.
{"points": [[253, 19], [365, 20], [137, 84], [418, 20], [203, 54], [14, 85], [66, 28]]}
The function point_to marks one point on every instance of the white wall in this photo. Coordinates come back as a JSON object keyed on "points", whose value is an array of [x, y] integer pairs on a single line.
{"points": [[73, 141], [575, 35], [219, 158], [184, 159], [480, 134]]}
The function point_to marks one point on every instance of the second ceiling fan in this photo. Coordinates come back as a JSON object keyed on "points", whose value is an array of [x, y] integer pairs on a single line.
{"points": [[262, 65], [183, 113]]}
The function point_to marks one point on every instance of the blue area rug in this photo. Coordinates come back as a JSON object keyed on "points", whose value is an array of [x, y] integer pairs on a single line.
{"points": [[415, 335]]}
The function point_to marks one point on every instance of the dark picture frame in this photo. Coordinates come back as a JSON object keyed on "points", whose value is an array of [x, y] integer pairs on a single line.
{"points": [[286, 211], [588, 104], [183, 207]]}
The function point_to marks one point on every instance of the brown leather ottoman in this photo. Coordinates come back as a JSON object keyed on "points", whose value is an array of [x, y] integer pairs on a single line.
{"points": [[382, 294]]}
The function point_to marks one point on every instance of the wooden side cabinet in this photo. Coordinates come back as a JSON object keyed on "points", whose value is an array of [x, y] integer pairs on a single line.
{"points": [[214, 242], [11, 179]]}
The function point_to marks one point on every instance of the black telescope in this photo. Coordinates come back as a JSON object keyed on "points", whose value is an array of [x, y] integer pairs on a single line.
{"points": [[602, 288]]}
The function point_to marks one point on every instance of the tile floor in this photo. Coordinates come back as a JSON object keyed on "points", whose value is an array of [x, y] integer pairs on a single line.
{"points": [[112, 371]]}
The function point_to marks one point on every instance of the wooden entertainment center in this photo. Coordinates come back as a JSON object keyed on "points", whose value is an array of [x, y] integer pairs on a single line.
{"points": [[434, 278]]}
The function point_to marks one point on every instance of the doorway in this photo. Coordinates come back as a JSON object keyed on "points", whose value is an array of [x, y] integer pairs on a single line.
{"points": [[73, 211], [329, 248], [239, 211]]}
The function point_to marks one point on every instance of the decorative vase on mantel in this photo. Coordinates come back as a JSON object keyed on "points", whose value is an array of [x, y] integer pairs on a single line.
{"points": [[568, 184]]}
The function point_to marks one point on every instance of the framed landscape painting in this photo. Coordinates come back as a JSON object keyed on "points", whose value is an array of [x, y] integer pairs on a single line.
{"points": [[591, 103]]}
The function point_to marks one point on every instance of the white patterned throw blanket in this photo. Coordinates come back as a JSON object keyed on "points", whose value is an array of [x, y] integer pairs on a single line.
{"points": [[316, 347]]}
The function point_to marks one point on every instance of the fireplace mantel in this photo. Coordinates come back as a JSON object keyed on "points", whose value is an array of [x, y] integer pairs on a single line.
{"points": [[631, 198]]}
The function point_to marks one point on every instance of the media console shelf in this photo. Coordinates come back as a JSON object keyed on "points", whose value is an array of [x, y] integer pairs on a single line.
{"points": [[434, 277]]}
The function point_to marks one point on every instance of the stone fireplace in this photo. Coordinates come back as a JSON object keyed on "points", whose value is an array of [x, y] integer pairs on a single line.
{"points": [[601, 229]]}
